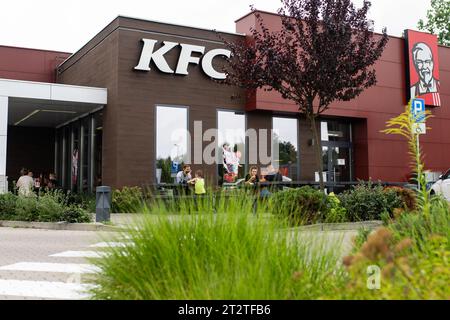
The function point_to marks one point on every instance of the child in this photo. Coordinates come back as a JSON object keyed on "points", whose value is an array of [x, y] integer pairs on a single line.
{"points": [[199, 183]]}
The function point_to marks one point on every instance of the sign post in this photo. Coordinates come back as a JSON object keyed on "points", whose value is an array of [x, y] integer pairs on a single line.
{"points": [[419, 127]]}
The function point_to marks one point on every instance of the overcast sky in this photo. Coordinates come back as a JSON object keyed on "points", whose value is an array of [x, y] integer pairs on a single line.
{"points": [[68, 25]]}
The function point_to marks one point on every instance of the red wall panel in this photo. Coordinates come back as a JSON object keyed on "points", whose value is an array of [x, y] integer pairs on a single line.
{"points": [[377, 155], [29, 64]]}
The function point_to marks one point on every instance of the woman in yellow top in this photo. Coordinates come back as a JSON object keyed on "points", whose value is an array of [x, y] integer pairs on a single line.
{"points": [[199, 183]]}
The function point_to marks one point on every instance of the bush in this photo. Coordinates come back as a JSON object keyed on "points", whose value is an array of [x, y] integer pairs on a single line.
{"points": [[127, 200], [368, 201], [48, 208], [304, 205], [408, 196], [26, 209], [83, 200], [75, 214], [335, 213], [7, 206], [413, 254]]}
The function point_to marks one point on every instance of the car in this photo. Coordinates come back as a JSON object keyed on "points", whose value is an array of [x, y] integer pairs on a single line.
{"points": [[442, 186]]}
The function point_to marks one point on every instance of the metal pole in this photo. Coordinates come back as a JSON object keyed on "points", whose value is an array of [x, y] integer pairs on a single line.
{"points": [[419, 173]]}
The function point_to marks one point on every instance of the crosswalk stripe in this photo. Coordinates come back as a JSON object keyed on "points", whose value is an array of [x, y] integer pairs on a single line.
{"points": [[44, 289], [51, 267], [79, 254], [110, 244]]}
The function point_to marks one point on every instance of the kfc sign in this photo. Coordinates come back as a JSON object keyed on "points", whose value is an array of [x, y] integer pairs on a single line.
{"points": [[422, 75], [148, 54]]}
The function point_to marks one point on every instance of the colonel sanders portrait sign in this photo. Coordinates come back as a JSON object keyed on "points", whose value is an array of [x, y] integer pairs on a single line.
{"points": [[422, 74]]}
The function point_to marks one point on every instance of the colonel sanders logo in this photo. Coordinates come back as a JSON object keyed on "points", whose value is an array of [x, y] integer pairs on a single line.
{"points": [[423, 61], [423, 73]]}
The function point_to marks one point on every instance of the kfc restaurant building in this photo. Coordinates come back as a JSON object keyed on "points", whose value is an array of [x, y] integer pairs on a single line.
{"points": [[130, 105]]}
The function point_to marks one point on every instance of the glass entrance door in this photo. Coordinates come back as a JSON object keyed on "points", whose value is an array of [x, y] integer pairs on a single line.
{"points": [[337, 150], [337, 163]]}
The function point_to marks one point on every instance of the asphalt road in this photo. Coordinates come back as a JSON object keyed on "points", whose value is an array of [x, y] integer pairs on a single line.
{"points": [[29, 269]]}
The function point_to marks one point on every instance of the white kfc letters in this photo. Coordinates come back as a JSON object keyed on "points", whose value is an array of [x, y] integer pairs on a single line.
{"points": [[186, 57]]}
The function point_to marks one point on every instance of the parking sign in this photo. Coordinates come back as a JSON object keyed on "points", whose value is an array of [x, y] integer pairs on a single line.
{"points": [[418, 111]]}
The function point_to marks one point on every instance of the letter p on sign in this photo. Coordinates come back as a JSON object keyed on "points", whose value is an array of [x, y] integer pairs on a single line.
{"points": [[418, 109]]}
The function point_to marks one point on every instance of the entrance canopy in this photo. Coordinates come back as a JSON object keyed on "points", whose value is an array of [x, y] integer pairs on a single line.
{"points": [[37, 104]]}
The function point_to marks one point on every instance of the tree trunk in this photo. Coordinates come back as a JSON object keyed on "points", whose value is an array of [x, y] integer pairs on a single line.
{"points": [[318, 150]]}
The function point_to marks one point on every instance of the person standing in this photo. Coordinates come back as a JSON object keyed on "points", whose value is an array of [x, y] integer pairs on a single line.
{"points": [[25, 183], [199, 183], [199, 189]]}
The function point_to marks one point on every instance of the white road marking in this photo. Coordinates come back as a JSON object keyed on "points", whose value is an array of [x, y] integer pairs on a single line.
{"points": [[51, 267], [44, 289], [79, 254], [110, 244]]}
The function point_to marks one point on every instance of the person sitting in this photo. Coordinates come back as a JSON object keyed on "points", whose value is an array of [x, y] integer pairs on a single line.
{"points": [[183, 177], [252, 177]]}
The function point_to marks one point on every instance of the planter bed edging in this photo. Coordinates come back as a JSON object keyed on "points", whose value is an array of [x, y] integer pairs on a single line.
{"points": [[59, 226], [345, 226]]}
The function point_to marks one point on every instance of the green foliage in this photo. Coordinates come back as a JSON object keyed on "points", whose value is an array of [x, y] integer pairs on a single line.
{"points": [[166, 166], [405, 125], [300, 206], [25, 209], [368, 201], [336, 213], [217, 256], [438, 21], [75, 214], [7, 205], [413, 254], [222, 201], [83, 200], [47, 207], [127, 200]]}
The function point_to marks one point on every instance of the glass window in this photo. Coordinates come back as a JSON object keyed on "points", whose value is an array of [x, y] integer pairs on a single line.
{"points": [[171, 142], [84, 166], [97, 149], [333, 130], [75, 158], [231, 145], [285, 137]]}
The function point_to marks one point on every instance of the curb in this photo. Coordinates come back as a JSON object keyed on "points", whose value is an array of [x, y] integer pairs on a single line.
{"points": [[346, 226], [59, 226]]}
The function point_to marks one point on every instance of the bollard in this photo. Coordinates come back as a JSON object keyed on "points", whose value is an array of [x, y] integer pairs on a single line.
{"points": [[103, 204]]}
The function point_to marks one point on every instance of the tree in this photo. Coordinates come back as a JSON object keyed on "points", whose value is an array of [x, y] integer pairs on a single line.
{"points": [[324, 52], [438, 21]]}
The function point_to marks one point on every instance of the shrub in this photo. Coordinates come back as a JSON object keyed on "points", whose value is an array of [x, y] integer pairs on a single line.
{"points": [[83, 200], [413, 254], [127, 200], [299, 206], [217, 256], [7, 206], [75, 214], [407, 197], [49, 209], [368, 201], [335, 213], [25, 209]]}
